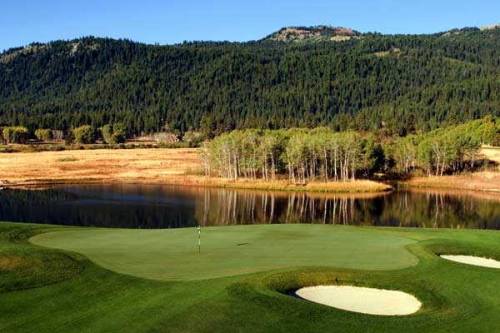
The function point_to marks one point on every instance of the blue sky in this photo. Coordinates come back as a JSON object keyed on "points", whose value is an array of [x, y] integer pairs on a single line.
{"points": [[173, 21]]}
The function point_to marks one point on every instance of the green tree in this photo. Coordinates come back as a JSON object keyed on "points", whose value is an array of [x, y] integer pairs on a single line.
{"points": [[84, 134], [43, 134], [15, 134], [113, 134]]}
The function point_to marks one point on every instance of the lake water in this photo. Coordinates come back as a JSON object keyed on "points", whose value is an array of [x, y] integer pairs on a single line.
{"points": [[146, 206]]}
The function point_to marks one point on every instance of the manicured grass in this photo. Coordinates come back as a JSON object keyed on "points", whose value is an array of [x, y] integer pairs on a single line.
{"points": [[173, 254], [66, 292]]}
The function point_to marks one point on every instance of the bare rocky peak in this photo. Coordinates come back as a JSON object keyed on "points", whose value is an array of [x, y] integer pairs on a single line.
{"points": [[7, 57], [314, 33], [77, 46], [70, 48], [491, 27]]}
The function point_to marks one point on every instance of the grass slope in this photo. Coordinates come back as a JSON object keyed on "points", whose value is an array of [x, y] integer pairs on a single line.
{"points": [[66, 292]]}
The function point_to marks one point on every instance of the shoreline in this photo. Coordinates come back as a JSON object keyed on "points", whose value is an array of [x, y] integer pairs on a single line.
{"points": [[351, 187], [356, 192], [183, 166], [483, 182]]}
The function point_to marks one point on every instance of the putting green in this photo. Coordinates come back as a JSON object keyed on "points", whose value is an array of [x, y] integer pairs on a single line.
{"points": [[172, 254]]}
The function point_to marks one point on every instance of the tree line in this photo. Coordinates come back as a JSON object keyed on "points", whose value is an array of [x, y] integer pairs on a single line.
{"points": [[85, 134], [322, 154]]}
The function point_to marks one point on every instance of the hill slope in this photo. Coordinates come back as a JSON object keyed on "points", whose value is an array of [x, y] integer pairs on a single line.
{"points": [[400, 83]]}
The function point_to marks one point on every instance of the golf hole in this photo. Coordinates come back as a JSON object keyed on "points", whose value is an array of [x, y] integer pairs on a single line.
{"points": [[363, 300], [472, 260]]}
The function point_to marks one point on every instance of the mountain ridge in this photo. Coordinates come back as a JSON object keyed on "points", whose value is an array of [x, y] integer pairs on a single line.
{"points": [[412, 82], [315, 30]]}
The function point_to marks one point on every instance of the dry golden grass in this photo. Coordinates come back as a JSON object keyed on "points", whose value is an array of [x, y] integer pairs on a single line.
{"points": [[183, 166], [284, 185], [491, 153], [488, 181], [155, 166], [350, 186], [151, 165], [485, 181]]}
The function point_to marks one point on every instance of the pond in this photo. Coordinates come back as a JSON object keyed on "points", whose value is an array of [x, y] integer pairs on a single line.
{"points": [[160, 206]]}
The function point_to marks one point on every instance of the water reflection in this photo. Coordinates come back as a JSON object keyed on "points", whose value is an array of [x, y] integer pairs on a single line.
{"points": [[248, 207], [139, 206]]}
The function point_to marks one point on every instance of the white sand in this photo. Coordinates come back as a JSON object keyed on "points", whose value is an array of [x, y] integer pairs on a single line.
{"points": [[471, 260], [365, 300]]}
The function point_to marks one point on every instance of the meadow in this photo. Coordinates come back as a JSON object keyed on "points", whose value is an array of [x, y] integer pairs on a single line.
{"points": [[143, 165], [73, 279], [184, 166]]}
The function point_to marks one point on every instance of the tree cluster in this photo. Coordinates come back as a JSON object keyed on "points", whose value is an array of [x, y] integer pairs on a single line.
{"points": [[43, 134], [15, 134], [445, 150], [320, 153], [303, 154]]}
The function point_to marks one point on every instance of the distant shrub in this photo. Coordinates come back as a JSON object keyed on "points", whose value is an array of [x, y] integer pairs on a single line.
{"points": [[69, 138], [15, 134], [57, 135], [165, 138], [107, 133], [43, 134], [84, 134], [496, 140], [113, 134], [193, 138]]}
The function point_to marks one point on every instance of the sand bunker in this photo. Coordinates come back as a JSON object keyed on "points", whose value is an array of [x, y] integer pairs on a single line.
{"points": [[472, 260], [364, 300]]}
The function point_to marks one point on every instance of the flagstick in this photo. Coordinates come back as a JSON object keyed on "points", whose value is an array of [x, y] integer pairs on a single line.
{"points": [[199, 239]]}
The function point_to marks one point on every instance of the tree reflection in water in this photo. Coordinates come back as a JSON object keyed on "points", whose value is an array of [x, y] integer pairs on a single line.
{"points": [[140, 206]]}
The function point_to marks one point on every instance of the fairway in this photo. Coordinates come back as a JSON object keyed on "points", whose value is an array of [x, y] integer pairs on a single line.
{"points": [[172, 254], [242, 279]]}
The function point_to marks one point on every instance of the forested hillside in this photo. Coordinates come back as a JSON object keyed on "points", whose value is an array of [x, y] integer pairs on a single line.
{"points": [[398, 84]]}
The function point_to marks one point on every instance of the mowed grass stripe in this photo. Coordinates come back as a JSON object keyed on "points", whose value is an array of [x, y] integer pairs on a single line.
{"points": [[172, 254]]}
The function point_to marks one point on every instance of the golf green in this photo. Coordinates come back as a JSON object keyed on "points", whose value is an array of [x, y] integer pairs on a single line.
{"points": [[172, 254]]}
